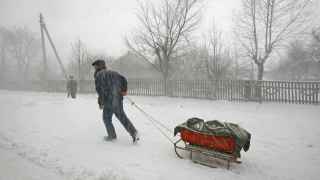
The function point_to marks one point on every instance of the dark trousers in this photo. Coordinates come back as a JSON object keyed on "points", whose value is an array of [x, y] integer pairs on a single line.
{"points": [[115, 106], [72, 94]]}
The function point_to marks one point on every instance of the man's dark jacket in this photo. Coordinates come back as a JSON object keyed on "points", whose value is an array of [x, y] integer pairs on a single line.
{"points": [[109, 85]]}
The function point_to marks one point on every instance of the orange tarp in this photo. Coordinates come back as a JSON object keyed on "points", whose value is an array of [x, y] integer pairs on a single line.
{"points": [[219, 143]]}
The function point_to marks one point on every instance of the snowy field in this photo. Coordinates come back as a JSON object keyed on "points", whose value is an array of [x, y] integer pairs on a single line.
{"points": [[46, 136]]}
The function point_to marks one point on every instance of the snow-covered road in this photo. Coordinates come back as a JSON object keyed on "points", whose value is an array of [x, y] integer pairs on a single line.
{"points": [[47, 135], [14, 167]]}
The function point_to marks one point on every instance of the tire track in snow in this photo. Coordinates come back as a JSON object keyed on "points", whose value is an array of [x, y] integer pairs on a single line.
{"points": [[42, 159]]}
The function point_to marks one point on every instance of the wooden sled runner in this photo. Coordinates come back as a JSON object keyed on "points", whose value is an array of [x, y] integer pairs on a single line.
{"points": [[229, 158], [218, 147]]}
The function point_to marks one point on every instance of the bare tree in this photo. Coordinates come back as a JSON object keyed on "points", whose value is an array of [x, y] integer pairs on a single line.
{"points": [[217, 56], [79, 55], [316, 35], [191, 65], [240, 67], [267, 25], [297, 64], [24, 47], [315, 50], [4, 40], [212, 59], [164, 31], [79, 59]]}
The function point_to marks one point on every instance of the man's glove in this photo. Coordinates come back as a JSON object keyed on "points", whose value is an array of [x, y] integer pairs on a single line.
{"points": [[100, 102], [124, 93]]}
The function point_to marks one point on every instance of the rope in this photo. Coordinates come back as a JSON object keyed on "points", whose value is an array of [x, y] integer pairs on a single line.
{"points": [[153, 121], [149, 116]]}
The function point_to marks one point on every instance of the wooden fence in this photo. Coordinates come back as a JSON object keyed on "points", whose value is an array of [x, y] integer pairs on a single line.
{"points": [[232, 90]]}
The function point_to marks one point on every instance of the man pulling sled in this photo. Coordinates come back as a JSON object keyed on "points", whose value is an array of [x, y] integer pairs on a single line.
{"points": [[111, 87]]}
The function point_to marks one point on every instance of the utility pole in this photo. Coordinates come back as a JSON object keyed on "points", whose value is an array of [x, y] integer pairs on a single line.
{"points": [[45, 30], [44, 53]]}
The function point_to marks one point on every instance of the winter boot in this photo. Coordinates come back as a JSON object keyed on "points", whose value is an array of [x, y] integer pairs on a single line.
{"points": [[109, 138], [135, 137]]}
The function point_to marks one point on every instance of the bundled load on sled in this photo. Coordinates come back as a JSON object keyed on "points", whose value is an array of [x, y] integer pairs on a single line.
{"points": [[221, 140]]}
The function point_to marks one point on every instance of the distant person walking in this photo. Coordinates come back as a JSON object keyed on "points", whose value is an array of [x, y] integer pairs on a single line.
{"points": [[111, 87], [72, 87]]}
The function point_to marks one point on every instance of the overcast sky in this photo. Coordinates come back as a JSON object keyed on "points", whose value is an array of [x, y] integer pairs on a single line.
{"points": [[101, 24]]}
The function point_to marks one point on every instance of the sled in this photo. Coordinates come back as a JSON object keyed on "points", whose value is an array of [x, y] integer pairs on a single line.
{"points": [[214, 139], [214, 147]]}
